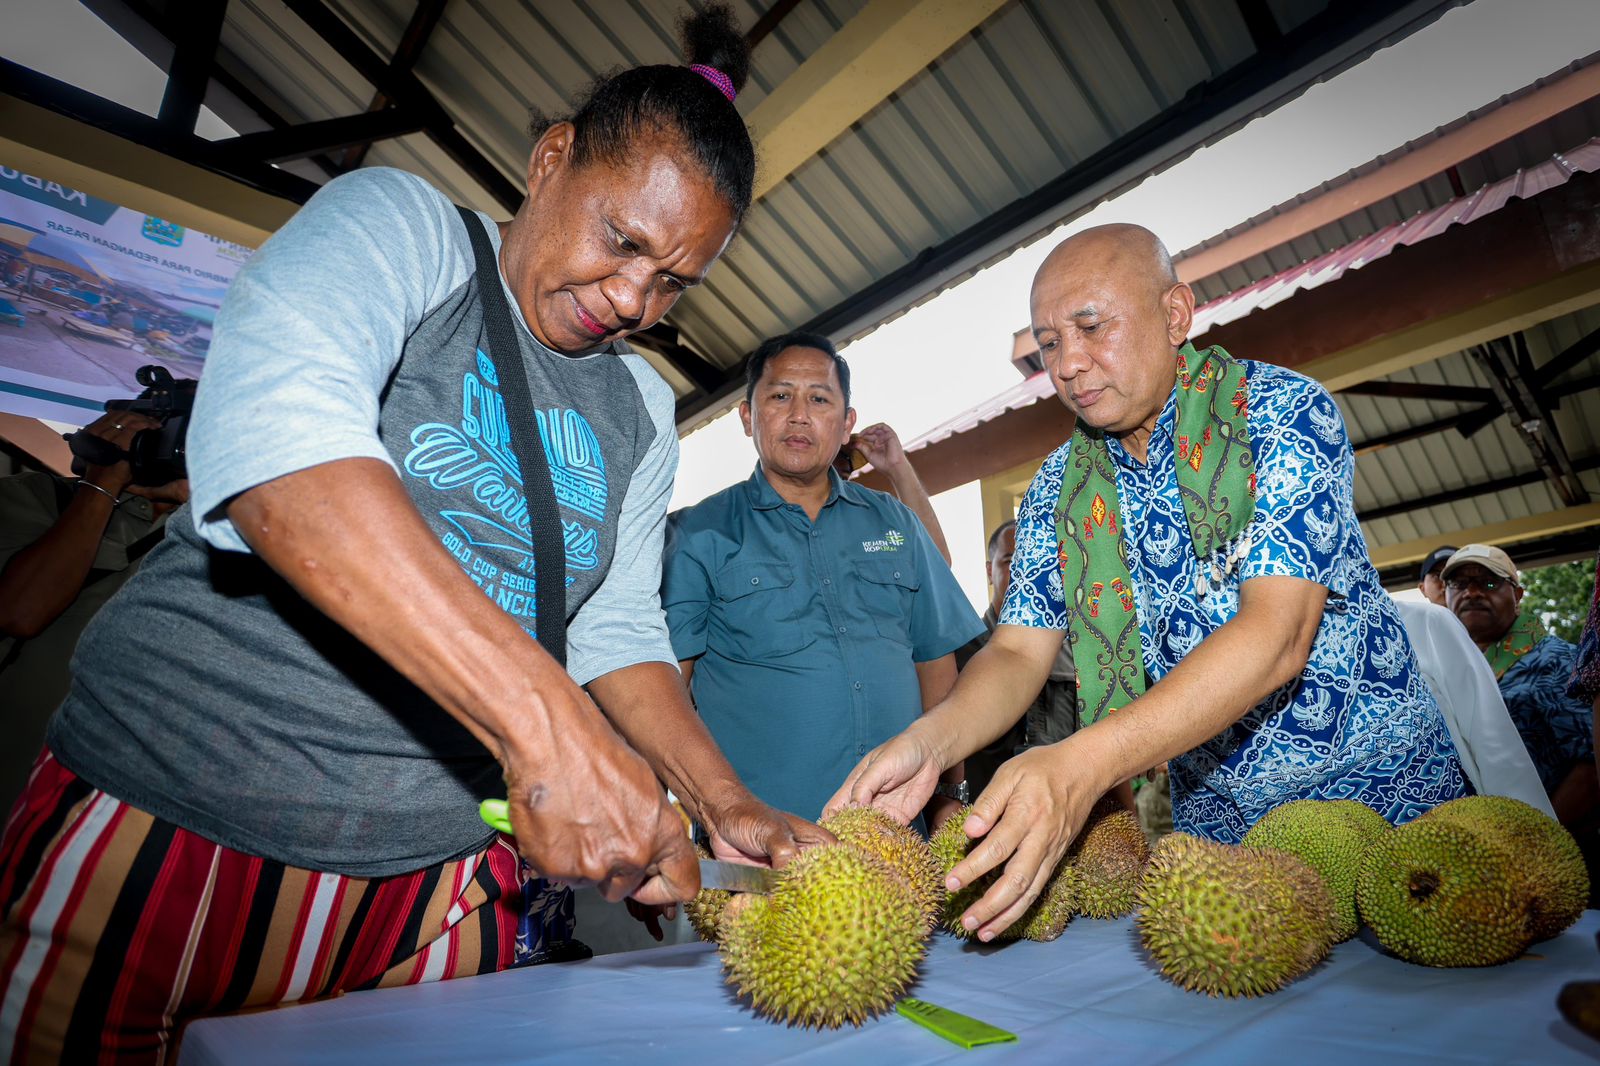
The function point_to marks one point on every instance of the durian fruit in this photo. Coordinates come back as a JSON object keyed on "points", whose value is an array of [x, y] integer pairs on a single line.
{"points": [[1547, 856], [1231, 921], [1044, 921], [948, 846], [1331, 836], [837, 940], [1048, 917], [1109, 856], [899, 846], [706, 909], [1442, 894]]}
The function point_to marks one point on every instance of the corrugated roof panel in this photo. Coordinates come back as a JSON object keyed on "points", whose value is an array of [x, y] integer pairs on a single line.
{"points": [[1526, 150], [1038, 87], [1219, 31], [1292, 13], [1090, 45], [1431, 223], [1170, 57]]}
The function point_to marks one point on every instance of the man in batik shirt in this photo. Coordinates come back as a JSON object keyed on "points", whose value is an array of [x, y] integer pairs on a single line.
{"points": [[1534, 668], [1198, 528]]}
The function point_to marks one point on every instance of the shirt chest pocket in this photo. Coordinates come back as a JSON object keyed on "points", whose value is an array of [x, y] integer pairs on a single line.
{"points": [[759, 612], [888, 590]]}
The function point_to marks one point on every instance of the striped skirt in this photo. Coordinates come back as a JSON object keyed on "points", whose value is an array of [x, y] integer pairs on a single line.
{"points": [[117, 926]]}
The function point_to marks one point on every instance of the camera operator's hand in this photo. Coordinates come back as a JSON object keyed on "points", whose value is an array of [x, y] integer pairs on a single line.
{"points": [[173, 492], [41, 580], [117, 427]]}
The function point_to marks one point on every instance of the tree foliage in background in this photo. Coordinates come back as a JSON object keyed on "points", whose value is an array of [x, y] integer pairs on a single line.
{"points": [[1561, 594]]}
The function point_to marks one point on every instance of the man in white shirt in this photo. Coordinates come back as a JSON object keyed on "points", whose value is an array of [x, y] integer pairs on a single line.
{"points": [[1492, 752]]}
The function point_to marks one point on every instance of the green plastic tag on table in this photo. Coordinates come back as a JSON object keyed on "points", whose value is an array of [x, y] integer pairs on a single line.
{"points": [[956, 1028]]}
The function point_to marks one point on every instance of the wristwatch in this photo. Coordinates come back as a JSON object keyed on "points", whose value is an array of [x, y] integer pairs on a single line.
{"points": [[961, 792]]}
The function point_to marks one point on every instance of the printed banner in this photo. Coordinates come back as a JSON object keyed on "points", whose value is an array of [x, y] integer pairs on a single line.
{"points": [[90, 291]]}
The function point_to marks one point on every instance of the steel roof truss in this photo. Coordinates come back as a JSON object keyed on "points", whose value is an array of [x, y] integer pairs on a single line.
{"points": [[1506, 362], [423, 19], [404, 88]]}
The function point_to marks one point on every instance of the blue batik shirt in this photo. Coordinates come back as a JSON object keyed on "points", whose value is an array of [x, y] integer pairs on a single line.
{"points": [[1558, 729], [1359, 722]]}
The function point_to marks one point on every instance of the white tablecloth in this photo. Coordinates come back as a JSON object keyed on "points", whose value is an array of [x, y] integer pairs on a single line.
{"points": [[1091, 997]]}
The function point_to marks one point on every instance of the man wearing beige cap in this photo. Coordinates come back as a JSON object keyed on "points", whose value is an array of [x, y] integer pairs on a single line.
{"points": [[1533, 667]]}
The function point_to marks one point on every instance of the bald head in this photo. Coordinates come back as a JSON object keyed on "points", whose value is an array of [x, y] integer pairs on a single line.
{"points": [[1109, 313], [1129, 251]]}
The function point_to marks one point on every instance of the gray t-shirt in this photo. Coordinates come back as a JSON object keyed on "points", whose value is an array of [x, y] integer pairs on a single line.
{"points": [[212, 695]]}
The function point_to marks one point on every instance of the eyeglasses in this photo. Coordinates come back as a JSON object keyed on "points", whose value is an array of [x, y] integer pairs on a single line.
{"points": [[1461, 584]]}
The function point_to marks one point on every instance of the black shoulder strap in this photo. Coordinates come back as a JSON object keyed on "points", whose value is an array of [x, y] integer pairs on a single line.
{"points": [[544, 516]]}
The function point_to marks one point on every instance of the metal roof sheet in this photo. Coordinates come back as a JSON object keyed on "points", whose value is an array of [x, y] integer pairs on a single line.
{"points": [[1038, 88], [1333, 264], [1323, 268]]}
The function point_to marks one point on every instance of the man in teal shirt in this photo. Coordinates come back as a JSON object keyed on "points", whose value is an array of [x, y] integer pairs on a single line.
{"points": [[812, 618]]}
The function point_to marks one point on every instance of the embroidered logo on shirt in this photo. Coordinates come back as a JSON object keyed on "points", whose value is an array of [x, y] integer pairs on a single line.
{"points": [[891, 541]]}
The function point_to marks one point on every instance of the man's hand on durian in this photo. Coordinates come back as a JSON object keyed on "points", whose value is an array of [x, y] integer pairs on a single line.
{"points": [[1030, 812], [897, 777]]}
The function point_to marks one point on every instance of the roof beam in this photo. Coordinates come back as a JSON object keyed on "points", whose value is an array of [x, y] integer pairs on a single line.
{"points": [[884, 46], [1260, 22], [1416, 390], [664, 340], [407, 91], [1543, 550], [194, 42], [423, 19], [1416, 165], [769, 21], [1467, 492], [1517, 530], [1564, 361], [1530, 261], [1470, 422], [310, 138], [1531, 416], [129, 158]]}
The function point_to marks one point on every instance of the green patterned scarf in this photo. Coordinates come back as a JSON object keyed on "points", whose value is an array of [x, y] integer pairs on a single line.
{"points": [[1519, 640], [1216, 478]]}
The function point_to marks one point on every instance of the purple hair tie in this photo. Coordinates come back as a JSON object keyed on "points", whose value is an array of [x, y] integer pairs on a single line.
{"points": [[723, 83]]}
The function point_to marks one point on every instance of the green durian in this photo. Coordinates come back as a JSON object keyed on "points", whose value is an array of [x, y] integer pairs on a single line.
{"points": [[1442, 894], [899, 846], [837, 941], [1231, 921], [1331, 836], [1547, 856]]}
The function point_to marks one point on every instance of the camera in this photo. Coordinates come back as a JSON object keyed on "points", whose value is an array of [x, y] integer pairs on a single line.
{"points": [[156, 456]]}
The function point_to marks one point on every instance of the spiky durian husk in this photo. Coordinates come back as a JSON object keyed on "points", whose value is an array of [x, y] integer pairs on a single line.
{"points": [[1549, 859], [1047, 919], [1109, 856], [705, 909], [1330, 836], [1044, 921], [906, 853], [1231, 921], [1442, 894], [948, 846], [837, 941]]}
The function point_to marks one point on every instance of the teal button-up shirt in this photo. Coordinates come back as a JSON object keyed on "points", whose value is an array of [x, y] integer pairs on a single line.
{"points": [[806, 635]]}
